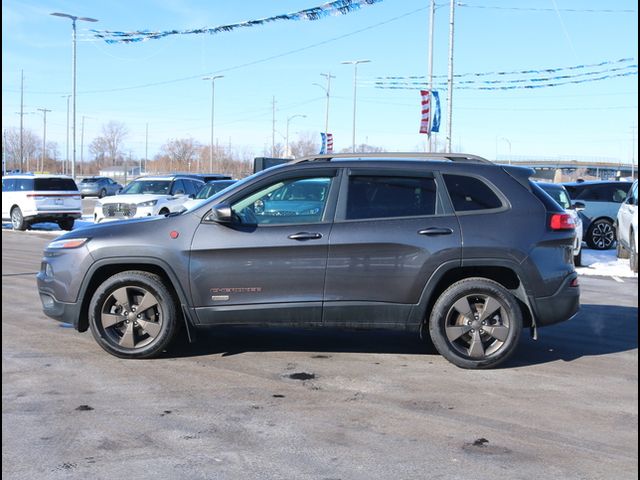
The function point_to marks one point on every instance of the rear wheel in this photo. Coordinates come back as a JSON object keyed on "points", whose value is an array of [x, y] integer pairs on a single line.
{"points": [[601, 235], [133, 315], [17, 220], [476, 323], [103, 193]]}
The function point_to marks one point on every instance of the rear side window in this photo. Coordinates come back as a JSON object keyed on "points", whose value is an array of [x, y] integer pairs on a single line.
{"points": [[385, 197], [24, 184], [54, 184], [470, 194]]}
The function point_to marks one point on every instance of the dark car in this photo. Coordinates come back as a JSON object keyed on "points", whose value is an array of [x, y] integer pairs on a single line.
{"points": [[450, 246], [602, 200], [98, 187]]}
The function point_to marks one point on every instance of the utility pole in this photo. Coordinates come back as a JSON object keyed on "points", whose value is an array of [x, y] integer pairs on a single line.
{"points": [[81, 148], [44, 137], [328, 76], [146, 148], [355, 64], [66, 162], [431, 20], [450, 76], [21, 123], [273, 129]]}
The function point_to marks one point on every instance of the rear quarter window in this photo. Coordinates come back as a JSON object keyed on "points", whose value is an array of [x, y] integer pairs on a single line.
{"points": [[470, 194], [54, 184]]}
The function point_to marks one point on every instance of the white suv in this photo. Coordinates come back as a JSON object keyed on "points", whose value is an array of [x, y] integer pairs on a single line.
{"points": [[29, 199], [148, 196], [627, 228]]}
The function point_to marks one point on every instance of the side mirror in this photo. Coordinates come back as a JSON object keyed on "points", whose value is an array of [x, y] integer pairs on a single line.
{"points": [[220, 213], [578, 206]]}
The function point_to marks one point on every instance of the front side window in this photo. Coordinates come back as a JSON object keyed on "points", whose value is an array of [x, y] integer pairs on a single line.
{"points": [[388, 196], [285, 202], [470, 194]]}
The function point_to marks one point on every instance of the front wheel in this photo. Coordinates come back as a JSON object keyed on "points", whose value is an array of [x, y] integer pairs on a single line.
{"points": [[133, 315], [476, 323], [102, 194], [601, 235]]}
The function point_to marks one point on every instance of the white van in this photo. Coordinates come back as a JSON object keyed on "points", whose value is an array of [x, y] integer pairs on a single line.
{"points": [[29, 199]]}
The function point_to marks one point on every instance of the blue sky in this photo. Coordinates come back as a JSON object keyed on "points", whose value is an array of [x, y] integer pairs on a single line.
{"points": [[159, 82]]}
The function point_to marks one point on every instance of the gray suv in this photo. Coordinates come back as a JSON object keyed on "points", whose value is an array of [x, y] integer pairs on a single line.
{"points": [[451, 246]]}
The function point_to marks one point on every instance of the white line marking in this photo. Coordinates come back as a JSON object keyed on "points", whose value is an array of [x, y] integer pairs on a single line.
{"points": [[617, 279]]}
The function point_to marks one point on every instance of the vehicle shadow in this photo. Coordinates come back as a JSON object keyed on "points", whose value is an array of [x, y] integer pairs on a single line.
{"points": [[596, 330]]}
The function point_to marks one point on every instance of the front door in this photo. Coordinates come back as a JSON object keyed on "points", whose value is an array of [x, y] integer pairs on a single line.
{"points": [[268, 265]]}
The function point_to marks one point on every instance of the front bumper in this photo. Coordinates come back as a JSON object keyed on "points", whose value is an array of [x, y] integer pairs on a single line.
{"points": [[560, 306], [60, 311]]}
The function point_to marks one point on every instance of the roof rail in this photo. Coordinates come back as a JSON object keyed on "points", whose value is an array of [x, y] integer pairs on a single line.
{"points": [[453, 157]]}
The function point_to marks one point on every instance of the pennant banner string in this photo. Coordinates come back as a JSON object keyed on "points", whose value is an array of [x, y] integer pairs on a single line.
{"points": [[338, 7], [517, 80], [513, 87], [516, 72]]}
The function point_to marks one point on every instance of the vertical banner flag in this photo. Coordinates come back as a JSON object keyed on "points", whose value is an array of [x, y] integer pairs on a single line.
{"points": [[425, 121], [327, 143], [435, 125]]}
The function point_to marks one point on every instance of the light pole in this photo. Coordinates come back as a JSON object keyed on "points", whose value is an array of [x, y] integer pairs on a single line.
{"points": [[213, 83], [355, 84], [286, 148], [508, 143], [66, 161], [73, 81], [44, 136], [327, 90]]}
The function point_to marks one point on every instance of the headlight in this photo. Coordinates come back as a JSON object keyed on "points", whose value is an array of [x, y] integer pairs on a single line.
{"points": [[68, 243], [150, 203]]}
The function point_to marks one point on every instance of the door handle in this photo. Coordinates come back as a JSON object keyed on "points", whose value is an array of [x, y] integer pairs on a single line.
{"points": [[436, 231], [305, 236]]}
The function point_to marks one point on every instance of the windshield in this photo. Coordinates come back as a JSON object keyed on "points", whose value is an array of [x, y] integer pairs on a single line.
{"points": [[211, 189], [559, 195], [153, 187]]}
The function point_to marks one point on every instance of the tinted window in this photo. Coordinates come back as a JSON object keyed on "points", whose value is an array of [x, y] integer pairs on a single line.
{"points": [[609, 192], [51, 184], [470, 193], [287, 201], [24, 184], [383, 197], [559, 195], [8, 185]]}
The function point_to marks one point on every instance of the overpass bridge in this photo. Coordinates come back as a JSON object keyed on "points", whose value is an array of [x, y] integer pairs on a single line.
{"points": [[552, 169]]}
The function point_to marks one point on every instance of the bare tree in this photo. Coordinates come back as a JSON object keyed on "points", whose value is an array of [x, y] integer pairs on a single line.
{"points": [[305, 145], [111, 143], [181, 153], [364, 148], [31, 147]]}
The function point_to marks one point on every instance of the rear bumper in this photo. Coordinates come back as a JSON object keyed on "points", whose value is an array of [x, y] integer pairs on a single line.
{"points": [[44, 216], [560, 306]]}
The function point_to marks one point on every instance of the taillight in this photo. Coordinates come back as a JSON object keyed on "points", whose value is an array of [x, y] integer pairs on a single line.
{"points": [[561, 221]]}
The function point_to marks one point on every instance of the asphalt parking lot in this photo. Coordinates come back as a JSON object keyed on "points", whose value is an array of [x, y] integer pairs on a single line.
{"points": [[312, 404]]}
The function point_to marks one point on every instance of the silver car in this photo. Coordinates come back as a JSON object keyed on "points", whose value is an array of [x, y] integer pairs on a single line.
{"points": [[98, 187]]}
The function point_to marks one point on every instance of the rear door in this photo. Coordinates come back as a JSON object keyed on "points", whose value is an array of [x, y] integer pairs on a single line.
{"points": [[392, 231]]}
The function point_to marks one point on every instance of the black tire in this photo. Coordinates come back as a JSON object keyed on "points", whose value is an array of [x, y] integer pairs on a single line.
{"points": [[577, 259], [633, 255], [17, 220], [102, 193], [122, 331], [66, 224], [601, 235], [164, 211], [467, 335]]}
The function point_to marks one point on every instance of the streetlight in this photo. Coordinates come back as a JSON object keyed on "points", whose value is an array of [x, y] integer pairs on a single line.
{"points": [[327, 90], [73, 80], [509, 143], [213, 82], [286, 148], [355, 79]]}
